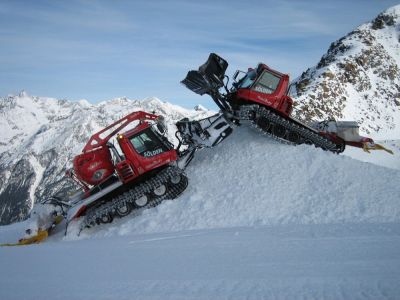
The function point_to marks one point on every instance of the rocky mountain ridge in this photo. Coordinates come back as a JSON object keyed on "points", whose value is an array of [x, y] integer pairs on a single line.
{"points": [[357, 79]]}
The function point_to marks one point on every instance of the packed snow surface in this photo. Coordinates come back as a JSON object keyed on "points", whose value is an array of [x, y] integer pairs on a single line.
{"points": [[358, 261], [259, 220]]}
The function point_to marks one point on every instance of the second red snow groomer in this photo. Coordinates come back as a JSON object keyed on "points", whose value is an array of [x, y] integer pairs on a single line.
{"points": [[260, 96]]}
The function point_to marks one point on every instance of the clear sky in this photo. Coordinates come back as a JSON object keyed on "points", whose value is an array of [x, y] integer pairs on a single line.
{"points": [[98, 50]]}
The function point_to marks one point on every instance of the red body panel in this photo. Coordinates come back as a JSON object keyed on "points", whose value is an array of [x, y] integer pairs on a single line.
{"points": [[94, 166], [361, 143]]}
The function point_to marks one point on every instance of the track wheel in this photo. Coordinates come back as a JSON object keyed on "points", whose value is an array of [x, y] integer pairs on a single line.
{"points": [[176, 179], [308, 142], [106, 218], [263, 123], [340, 148], [294, 137], [124, 210], [279, 130], [160, 191], [142, 201]]}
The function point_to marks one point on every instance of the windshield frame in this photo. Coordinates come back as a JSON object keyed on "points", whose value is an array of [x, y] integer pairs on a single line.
{"points": [[247, 80]]}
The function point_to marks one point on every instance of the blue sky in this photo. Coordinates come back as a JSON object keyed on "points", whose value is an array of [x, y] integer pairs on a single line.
{"points": [[99, 50]]}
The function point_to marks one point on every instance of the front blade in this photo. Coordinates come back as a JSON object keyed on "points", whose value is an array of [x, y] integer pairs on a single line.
{"points": [[195, 82], [209, 78]]}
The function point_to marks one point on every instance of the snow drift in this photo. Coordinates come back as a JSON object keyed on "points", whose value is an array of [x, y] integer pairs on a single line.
{"points": [[250, 180]]}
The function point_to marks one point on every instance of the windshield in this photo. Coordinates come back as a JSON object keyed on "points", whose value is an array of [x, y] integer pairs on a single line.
{"points": [[267, 83], [147, 143]]}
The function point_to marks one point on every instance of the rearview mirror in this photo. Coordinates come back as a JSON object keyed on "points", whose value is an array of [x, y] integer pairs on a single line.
{"points": [[235, 75], [162, 128]]}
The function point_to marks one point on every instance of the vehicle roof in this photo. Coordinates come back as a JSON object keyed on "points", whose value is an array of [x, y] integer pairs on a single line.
{"points": [[265, 67], [140, 127]]}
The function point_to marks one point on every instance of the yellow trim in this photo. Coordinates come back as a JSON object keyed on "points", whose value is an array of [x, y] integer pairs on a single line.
{"points": [[40, 237], [367, 147]]}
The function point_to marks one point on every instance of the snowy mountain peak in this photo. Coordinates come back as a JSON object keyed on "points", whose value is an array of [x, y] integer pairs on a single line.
{"points": [[389, 17], [84, 103], [358, 79], [153, 100], [23, 94], [200, 107]]}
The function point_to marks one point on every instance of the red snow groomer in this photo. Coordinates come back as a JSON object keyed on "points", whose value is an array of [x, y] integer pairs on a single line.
{"points": [[138, 170], [260, 96]]}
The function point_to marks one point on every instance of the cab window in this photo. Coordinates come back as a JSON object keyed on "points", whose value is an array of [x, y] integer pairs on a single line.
{"points": [[267, 83], [147, 144]]}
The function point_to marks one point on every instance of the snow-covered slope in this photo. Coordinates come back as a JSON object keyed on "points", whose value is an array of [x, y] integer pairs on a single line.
{"points": [[250, 180], [40, 136], [259, 220], [356, 261], [358, 79]]}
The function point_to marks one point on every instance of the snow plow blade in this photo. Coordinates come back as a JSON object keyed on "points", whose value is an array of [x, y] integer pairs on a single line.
{"points": [[367, 146], [39, 237], [209, 77]]}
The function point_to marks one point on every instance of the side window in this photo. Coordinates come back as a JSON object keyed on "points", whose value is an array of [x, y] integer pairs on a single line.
{"points": [[267, 83]]}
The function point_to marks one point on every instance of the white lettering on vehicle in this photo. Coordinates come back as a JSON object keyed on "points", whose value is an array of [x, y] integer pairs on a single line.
{"points": [[152, 153], [94, 165], [262, 90], [264, 99]]}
